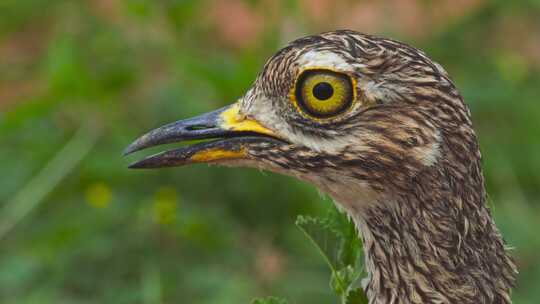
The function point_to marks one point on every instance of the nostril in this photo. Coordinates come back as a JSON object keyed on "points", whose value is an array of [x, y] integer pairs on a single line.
{"points": [[198, 127]]}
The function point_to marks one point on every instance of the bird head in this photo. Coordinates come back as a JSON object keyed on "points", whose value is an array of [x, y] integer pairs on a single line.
{"points": [[336, 109]]}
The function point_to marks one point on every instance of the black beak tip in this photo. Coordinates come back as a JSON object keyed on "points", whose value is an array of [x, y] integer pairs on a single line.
{"points": [[200, 127], [136, 165], [129, 149], [141, 164], [141, 143], [147, 140]]}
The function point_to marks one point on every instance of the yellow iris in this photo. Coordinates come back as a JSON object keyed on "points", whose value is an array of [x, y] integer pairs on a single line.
{"points": [[323, 93]]}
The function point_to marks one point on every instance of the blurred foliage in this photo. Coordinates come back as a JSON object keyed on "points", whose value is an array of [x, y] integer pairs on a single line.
{"points": [[80, 79], [269, 300]]}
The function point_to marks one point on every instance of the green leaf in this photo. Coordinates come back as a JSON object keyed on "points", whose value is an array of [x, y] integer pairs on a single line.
{"points": [[356, 296], [322, 236], [336, 239], [269, 300], [350, 247], [347, 276]]}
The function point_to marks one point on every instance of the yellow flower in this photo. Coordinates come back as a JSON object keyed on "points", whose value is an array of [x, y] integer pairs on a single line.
{"points": [[165, 205], [98, 195]]}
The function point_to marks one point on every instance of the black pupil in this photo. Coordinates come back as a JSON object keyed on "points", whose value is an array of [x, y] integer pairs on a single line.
{"points": [[323, 91]]}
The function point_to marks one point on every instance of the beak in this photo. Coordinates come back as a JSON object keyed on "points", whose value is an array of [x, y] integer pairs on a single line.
{"points": [[234, 133]]}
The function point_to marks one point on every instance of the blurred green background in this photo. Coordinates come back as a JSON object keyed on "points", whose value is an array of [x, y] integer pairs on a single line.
{"points": [[79, 80]]}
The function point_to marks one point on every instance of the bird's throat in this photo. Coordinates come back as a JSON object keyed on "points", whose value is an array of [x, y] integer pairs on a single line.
{"points": [[434, 244]]}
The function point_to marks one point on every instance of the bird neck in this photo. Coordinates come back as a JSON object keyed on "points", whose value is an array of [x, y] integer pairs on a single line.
{"points": [[436, 242]]}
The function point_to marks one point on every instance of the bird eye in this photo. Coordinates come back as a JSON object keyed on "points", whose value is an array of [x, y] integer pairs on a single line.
{"points": [[323, 93]]}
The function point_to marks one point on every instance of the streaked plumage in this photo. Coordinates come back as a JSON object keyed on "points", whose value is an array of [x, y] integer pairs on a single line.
{"points": [[402, 160]]}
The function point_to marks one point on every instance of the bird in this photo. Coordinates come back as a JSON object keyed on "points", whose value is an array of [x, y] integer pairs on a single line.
{"points": [[381, 128]]}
